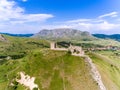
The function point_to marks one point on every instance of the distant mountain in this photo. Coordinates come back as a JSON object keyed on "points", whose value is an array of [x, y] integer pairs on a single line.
{"points": [[18, 35], [64, 34], [103, 36]]}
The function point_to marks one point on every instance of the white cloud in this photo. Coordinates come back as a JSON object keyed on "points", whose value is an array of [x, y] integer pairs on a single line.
{"points": [[79, 20], [31, 18], [112, 14], [96, 25], [9, 11], [106, 26], [24, 0], [14, 19]]}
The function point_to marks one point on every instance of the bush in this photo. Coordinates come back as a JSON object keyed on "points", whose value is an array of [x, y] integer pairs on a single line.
{"points": [[69, 52], [35, 88]]}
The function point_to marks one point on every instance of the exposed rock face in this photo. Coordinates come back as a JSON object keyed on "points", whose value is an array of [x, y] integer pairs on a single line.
{"points": [[64, 33], [2, 38], [27, 81]]}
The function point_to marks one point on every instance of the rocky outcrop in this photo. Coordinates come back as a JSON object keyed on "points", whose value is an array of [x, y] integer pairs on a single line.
{"points": [[27, 81], [2, 38]]}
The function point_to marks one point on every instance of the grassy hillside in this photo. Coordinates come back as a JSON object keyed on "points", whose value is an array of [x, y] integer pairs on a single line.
{"points": [[101, 42], [108, 65], [53, 71], [56, 70], [18, 47]]}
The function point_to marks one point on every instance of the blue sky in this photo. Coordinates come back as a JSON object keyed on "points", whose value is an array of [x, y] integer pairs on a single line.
{"points": [[30, 16]]}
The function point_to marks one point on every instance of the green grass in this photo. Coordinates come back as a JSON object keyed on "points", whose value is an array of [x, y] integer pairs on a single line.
{"points": [[20, 87], [111, 56], [17, 47], [102, 42], [57, 81], [108, 69], [54, 70]]}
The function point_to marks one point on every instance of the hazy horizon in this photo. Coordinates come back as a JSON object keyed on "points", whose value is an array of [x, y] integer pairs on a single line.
{"points": [[53, 29]]}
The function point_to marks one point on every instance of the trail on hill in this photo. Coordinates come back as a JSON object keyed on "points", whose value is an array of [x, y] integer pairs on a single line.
{"points": [[95, 73]]}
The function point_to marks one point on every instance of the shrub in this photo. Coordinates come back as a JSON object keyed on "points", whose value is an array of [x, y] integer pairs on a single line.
{"points": [[35, 88]]}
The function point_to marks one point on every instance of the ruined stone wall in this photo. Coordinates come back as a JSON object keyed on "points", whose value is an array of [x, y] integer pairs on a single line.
{"points": [[75, 50]]}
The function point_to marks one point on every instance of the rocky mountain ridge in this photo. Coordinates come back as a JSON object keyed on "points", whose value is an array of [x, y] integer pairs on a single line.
{"points": [[64, 33]]}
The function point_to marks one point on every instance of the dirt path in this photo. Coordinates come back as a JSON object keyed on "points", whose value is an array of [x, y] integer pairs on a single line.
{"points": [[95, 74]]}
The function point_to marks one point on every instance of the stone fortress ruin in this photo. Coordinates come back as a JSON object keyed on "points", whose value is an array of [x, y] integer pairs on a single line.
{"points": [[75, 50]]}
